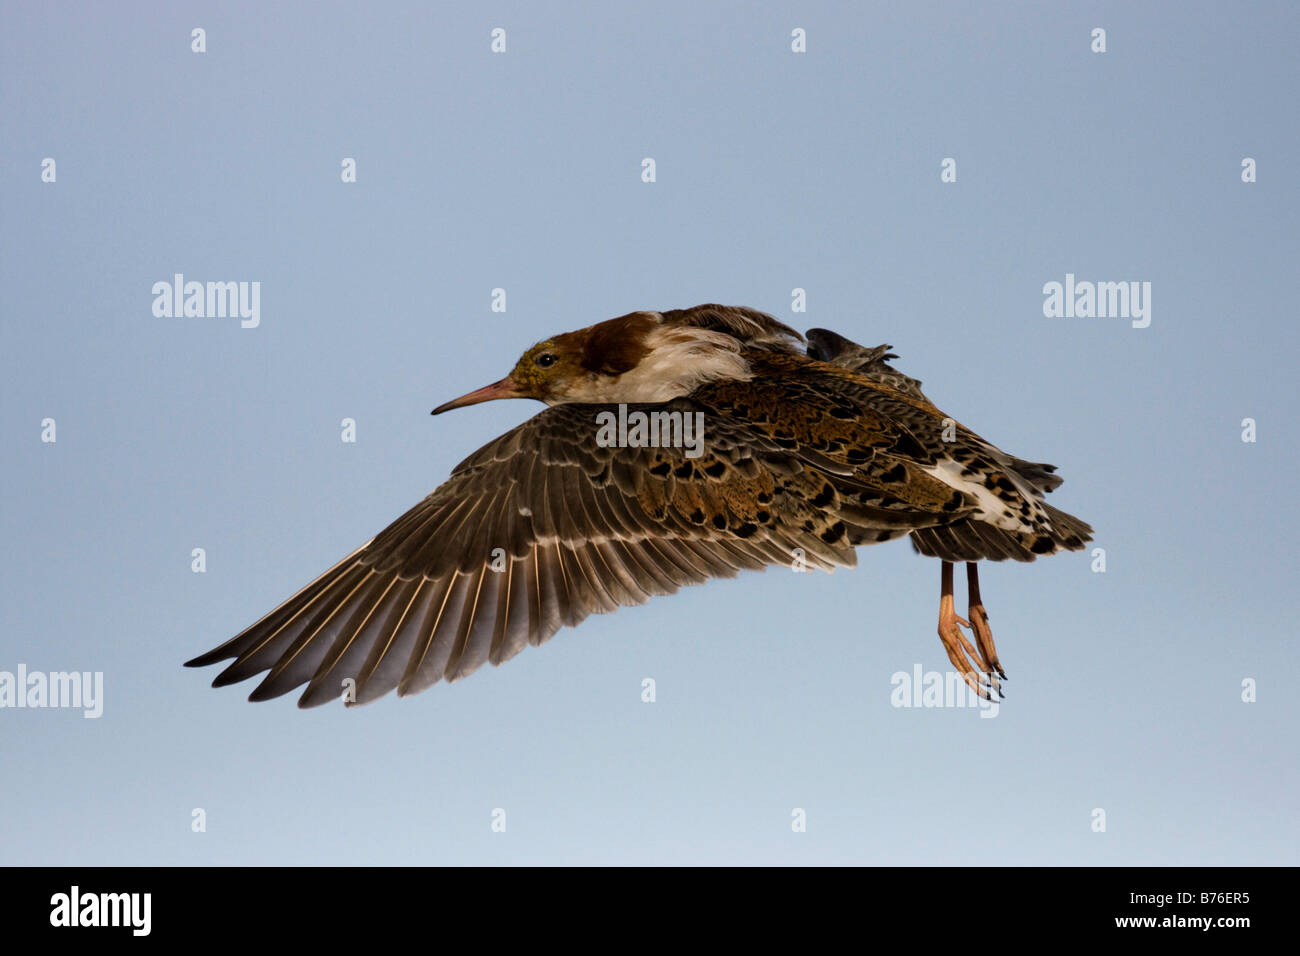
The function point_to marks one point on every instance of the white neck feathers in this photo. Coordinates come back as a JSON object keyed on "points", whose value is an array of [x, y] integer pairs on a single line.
{"points": [[679, 360]]}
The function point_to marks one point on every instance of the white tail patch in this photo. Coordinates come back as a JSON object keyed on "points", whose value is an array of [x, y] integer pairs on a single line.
{"points": [[992, 509]]}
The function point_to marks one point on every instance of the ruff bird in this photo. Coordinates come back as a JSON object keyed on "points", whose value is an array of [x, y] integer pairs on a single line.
{"points": [[810, 448]]}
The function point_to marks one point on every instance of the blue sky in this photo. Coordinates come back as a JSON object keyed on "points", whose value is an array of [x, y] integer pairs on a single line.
{"points": [[522, 171]]}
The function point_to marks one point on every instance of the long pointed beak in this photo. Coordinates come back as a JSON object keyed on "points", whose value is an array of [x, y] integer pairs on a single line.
{"points": [[505, 388]]}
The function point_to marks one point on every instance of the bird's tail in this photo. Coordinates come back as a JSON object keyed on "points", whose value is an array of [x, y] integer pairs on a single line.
{"points": [[973, 540]]}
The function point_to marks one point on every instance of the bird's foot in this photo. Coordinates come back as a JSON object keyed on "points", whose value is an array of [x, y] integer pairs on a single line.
{"points": [[979, 677]]}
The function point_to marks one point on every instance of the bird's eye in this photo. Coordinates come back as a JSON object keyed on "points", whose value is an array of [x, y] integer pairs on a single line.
{"points": [[545, 360]]}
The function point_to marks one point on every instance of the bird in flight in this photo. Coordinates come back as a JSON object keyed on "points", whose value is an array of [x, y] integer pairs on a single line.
{"points": [[805, 448]]}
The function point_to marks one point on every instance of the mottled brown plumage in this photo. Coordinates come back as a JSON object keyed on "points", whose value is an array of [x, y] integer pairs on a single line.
{"points": [[806, 455]]}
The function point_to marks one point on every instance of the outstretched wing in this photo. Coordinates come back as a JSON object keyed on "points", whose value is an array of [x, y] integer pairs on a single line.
{"points": [[539, 529]]}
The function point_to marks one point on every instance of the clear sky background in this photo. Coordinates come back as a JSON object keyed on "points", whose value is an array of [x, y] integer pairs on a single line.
{"points": [[522, 170]]}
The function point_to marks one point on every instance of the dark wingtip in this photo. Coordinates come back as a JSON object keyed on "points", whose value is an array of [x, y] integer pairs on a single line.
{"points": [[228, 677], [203, 660]]}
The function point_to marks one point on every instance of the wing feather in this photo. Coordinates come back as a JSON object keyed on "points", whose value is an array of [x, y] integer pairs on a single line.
{"points": [[542, 527]]}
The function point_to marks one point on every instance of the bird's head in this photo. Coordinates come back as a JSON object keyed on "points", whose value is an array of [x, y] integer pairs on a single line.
{"points": [[543, 372], [634, 358]]}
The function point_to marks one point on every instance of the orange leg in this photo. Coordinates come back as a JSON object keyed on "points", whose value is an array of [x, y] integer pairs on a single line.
{"points": [[979, 622], [959, 648]]}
